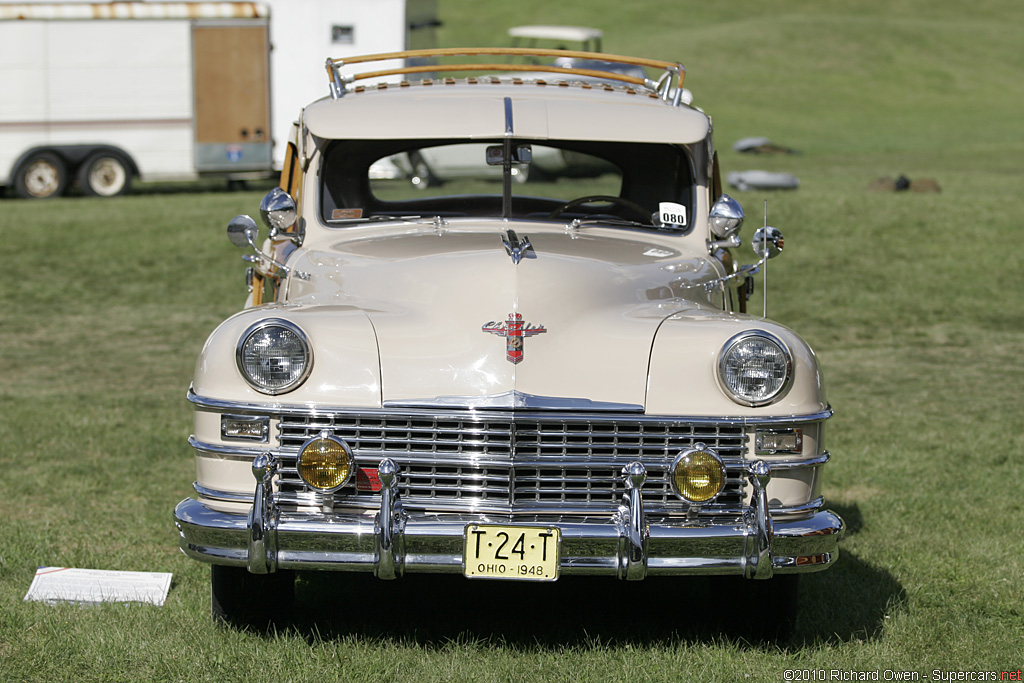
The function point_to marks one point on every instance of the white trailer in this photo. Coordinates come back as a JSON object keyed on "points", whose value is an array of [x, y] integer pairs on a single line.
{"points": [[304, 33], [98, 93], [102, 92]]}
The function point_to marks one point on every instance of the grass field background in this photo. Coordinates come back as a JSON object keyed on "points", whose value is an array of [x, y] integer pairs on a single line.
{"points": [[912, 302]]}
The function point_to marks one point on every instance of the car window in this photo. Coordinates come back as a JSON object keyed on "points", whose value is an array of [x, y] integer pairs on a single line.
{"points": [[447, 169], [364, 179]]}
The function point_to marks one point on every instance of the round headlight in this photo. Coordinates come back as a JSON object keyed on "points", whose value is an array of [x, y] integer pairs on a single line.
{"points": [[325, 463], [755, 368], [274, 356], [698, 474]]}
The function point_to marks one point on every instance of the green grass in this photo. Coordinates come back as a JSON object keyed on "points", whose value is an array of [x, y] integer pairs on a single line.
{"points": [[911, 301]]}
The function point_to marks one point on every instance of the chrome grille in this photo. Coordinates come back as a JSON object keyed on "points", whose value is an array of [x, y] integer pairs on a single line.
{"points": [[512, 462]]}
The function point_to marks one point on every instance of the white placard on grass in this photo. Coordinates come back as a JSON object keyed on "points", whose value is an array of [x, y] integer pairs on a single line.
{"points": [[64, 584]]}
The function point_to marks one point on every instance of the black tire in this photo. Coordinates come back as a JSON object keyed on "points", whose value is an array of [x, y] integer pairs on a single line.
{"points": [[41, 176], [104, 174], [244, 600]]}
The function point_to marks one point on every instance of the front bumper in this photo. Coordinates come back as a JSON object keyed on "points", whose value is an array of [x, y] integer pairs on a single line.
{"points": [[627, 544]]}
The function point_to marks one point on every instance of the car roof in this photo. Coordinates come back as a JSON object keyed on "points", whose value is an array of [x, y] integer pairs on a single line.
{"points": [[576, 34], [476, 109]]}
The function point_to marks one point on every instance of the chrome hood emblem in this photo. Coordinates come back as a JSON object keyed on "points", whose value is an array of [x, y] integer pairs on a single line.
{"points": [[514, 330], [516, 247]]}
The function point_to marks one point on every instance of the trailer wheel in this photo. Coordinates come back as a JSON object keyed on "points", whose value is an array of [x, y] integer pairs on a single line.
{"points": [[41, 176], [104, 175]]}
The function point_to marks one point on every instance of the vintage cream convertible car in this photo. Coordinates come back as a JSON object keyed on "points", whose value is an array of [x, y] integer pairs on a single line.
{"points": [[556, 379]]}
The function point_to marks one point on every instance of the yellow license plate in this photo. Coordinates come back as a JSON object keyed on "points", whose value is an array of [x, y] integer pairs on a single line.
{"points": [[512, 552]]}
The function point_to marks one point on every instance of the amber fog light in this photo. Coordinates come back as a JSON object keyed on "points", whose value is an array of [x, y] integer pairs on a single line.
{"points": [[325, 463], [698, 474]]}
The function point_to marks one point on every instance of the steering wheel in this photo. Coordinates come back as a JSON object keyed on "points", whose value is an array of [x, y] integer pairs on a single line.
{"points": [[638, 211]]}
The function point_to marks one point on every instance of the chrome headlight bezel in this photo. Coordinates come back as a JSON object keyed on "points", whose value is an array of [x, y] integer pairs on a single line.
{"points": [[295, 378], [781, 374]]}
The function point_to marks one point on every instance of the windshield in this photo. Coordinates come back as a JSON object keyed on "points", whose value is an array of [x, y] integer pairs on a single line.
{"points": [[547, 180]]}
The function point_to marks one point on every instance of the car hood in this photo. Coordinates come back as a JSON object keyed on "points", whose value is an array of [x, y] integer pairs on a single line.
{"points": [[457, 322]]}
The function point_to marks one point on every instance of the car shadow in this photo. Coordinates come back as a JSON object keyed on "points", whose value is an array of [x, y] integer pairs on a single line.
{"points": [[849, 601], [853, 599]]}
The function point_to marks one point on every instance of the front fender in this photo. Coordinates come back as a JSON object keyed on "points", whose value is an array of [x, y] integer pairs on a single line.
{"points": [[683, 371], [345, 369]]}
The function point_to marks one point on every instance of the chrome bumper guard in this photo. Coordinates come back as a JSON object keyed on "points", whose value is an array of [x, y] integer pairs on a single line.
{"points": [[628, 544]]}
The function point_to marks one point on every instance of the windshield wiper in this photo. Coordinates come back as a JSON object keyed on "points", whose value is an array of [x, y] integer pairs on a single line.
{"points": [[612, 222]]}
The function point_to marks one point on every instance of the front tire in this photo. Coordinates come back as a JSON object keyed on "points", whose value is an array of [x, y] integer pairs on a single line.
{"points": [[244, 600], [104, 175], [42, 175]]}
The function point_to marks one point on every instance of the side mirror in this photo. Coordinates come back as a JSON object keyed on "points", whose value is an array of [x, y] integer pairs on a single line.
{"points": [[278, 211], [767, 242], [242, 231], [726, 216]]}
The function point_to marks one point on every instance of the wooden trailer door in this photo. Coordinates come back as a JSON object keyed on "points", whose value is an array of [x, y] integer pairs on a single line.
{"points": [[232, 95]]}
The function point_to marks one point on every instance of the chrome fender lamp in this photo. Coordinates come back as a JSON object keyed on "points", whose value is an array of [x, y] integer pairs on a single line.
{"points": [[280, 212], [725, 220]]}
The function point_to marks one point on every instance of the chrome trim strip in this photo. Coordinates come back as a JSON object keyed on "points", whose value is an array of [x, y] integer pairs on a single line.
{"points": [[804, 509], [237, 452], [515, 399], [317, 410], [226, 496], [793, 464], [562, 462], [441, 507], [307, 500], [509, 129]]}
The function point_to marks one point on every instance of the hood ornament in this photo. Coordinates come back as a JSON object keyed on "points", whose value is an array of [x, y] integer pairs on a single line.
{"points": [[514, 330], [516, 247]]}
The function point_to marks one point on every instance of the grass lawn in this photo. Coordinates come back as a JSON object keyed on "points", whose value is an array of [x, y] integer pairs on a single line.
{"points": [[911, 300]]}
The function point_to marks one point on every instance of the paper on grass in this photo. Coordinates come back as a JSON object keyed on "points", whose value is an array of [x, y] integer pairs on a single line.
{"points": [[63, 584]]}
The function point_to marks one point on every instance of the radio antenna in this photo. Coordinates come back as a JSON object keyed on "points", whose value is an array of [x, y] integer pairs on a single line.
{"points": [[764, 286]]}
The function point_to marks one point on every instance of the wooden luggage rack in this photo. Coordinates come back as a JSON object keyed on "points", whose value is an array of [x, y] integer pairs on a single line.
{"points": [[668, 86]]}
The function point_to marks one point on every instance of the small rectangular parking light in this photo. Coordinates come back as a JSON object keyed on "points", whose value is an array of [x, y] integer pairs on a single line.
{"points": [[776, 441], [245, 427]]}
